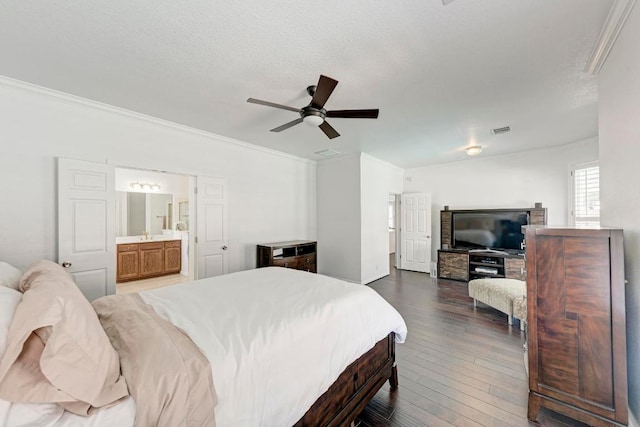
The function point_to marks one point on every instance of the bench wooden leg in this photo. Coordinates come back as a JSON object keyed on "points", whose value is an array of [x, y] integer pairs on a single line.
{"points": [[475, 302]]}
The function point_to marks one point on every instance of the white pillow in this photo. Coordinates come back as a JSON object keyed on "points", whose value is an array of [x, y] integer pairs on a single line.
{"points": [[9, 300], [9, 275]]}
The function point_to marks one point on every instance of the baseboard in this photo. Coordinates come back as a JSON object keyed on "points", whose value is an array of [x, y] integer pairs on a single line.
{"points": [[633, 420], [373, 279]]}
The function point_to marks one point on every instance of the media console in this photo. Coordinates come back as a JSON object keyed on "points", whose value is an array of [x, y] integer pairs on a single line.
{"points": [[467, 264]]}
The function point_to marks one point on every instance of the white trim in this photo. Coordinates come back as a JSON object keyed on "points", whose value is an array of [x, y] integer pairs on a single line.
{"points": [[618, 14], [8, 81]]}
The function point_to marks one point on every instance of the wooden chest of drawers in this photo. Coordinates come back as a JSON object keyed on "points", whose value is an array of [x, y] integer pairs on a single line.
{"points": [[296, 254]]}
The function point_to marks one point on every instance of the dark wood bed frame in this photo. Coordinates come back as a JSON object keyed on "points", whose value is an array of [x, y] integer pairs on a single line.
{"points": [[355, 387]]}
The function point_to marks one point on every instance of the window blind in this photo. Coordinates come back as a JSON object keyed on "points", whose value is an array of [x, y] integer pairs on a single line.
{"points": [[586, 191]]}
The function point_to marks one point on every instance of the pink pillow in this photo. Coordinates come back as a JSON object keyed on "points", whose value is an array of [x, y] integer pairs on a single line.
{"points": [[57, 350]]}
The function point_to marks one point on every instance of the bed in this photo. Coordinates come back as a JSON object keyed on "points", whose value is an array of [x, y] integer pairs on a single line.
{"points": [[281, 347]]}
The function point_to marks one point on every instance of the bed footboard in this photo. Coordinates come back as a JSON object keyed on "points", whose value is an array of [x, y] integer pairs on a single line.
{"points": [[355, 387]]}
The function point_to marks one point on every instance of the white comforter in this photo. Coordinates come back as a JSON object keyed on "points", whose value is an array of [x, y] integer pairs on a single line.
{"points": [[276, 338]]}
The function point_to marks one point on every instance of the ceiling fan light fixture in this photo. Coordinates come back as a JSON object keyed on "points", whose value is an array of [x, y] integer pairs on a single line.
{"points": [[473, 150], [313, 120]]}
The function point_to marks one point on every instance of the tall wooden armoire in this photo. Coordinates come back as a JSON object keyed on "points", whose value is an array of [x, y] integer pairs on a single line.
{"points": [[576, 319]]}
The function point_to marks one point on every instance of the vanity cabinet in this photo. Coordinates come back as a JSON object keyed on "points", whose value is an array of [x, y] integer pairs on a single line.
{"points": [[148, 259], [128, 262], [151, 259], [172, 256]]}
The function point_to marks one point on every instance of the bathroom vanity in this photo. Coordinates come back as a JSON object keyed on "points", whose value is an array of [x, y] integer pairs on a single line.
{"points": [[140, 259]]}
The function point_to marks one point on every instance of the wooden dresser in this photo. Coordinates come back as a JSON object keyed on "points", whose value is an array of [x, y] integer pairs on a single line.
{"points": [[297, 254], [576, 319]]}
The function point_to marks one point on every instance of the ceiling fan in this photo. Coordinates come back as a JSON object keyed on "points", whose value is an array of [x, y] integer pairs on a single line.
{"points": [[315, 114]]}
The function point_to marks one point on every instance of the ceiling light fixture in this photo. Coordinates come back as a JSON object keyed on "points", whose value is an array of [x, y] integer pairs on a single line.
{"points": [[474, 150], [313, 120]]}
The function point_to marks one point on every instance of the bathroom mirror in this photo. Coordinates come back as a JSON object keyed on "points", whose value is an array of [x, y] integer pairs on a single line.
{"points": [[139, 212]]}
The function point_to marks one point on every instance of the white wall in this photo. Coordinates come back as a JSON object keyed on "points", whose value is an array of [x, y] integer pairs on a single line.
{"points": [[339, 231], [509, 181], [272, 196], [353, 223], [619, 115], [378, 179]]}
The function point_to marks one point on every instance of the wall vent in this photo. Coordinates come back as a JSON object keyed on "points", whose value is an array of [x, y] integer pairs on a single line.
{"points": [[498, 131], [326, 153]]}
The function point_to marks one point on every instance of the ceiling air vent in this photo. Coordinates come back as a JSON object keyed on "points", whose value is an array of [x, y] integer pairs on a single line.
{"points": [[498, 131], [327, 153]]}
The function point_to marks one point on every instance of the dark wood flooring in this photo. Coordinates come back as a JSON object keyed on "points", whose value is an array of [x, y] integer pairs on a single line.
{"points": [[460, 366]]}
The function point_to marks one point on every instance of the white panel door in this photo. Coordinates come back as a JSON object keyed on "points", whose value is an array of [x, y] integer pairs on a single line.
{"points": [[211, 229], [86, 225], [415, 231]]}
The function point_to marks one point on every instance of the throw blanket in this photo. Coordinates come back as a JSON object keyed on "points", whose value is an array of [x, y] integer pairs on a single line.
{"points": [[168, 377]]}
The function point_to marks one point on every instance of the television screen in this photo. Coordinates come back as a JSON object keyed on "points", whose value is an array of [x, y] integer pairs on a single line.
{"points": [[499, 230]]}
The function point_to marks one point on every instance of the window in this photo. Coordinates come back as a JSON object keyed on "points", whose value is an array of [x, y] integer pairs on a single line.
{"points": [[586, 195]]}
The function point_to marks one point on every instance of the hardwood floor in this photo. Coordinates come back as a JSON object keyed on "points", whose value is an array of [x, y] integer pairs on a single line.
{"points": [[459, 366]]}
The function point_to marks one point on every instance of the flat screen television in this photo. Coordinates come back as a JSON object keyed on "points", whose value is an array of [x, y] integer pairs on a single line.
{"points": [[489, 229]]}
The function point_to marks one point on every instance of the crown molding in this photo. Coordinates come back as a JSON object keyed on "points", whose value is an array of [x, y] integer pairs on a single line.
{"points": [[618, 14], [67, 97]]}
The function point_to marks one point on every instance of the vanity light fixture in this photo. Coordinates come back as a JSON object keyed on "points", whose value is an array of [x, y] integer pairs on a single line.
{"points": [[144, 186], [474, 150]]}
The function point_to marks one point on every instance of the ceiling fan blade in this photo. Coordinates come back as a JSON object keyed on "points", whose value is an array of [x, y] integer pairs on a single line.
{"points": [[325, 87], [272, 104], [446, 2], [354, 114], [287, 125], [328, 130]]}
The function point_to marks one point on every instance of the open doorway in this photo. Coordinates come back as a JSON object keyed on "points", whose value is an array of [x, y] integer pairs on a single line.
{"points": [[153, 233], [393, 230]]}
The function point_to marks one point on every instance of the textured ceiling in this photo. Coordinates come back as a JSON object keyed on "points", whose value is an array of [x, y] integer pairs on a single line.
{"points": [[442, 76]]}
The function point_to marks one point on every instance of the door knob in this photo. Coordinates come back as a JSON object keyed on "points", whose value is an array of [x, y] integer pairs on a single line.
{"points": [[224, 248], [66, 264]]}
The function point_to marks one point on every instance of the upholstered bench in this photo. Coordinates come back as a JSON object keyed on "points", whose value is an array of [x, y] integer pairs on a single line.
{"points": [[520, 310], [499, 294]]}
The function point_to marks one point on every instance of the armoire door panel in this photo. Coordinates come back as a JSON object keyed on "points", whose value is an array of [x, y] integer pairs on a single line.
{"points": [[551, 299], [595, 349], [558, 354]]}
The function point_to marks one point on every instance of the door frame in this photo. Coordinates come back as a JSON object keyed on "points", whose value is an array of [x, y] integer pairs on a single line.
{"points": [[192, 207]]}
